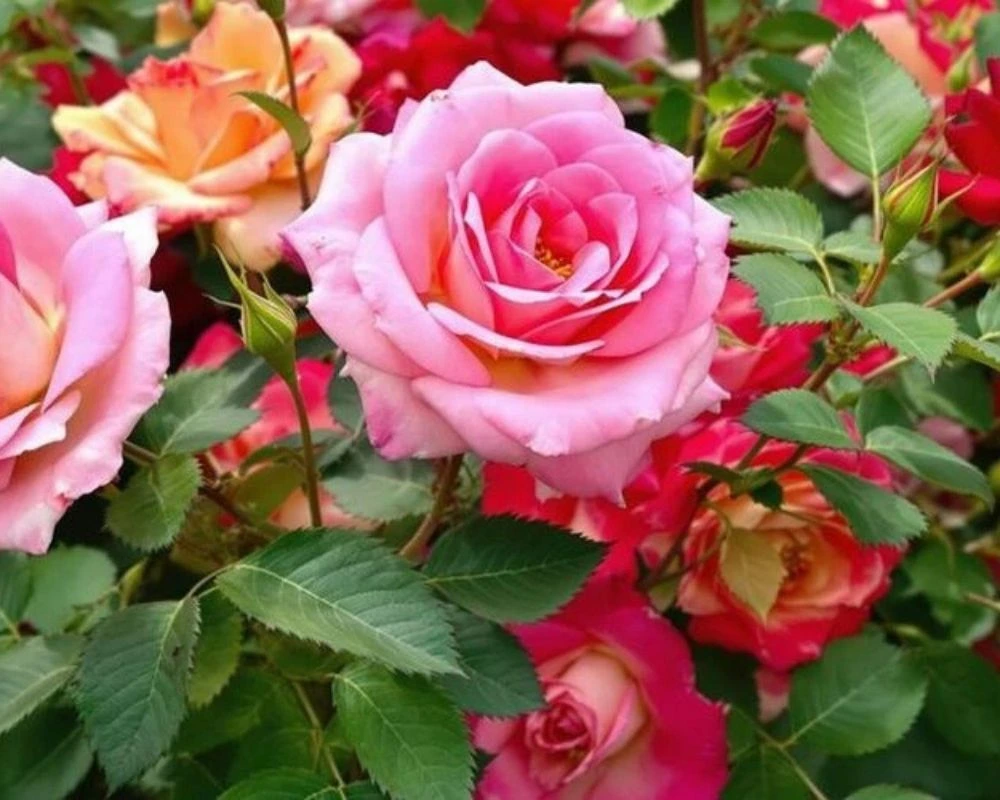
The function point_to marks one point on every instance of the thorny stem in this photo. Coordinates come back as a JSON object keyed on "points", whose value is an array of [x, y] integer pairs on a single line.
{"points": [[442, 499], [970, 281], [706, 71], [293, 100], [308, 454]]}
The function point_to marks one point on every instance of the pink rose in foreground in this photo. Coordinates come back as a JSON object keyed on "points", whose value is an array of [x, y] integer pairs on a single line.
{"points": [[830, 579], [514, 273], [87, 344], [278, 420], [622, 720]]}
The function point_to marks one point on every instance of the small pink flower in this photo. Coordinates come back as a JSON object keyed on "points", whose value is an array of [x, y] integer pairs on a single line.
{"points": [[87, 347], [622, 718], [278, 419], [512, 272]]}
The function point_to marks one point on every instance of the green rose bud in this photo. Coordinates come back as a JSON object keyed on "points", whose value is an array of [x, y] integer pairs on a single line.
{"points": [[268, 325], [989, 269], [275, 9], [909, 205]]}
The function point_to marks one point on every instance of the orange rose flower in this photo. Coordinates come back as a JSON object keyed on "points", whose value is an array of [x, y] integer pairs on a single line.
{"points": [[181, 139]]}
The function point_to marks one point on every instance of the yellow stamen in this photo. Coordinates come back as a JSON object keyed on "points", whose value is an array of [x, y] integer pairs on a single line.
{"points": [[560, 266]]}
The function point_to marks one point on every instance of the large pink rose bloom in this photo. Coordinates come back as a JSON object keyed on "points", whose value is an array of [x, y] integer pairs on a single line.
{"points": [[514, 273], [622, 718], [86, 346]]}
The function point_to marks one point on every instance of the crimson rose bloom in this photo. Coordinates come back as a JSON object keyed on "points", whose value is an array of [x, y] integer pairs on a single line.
{"points": [[622, 719], [974, 136]]}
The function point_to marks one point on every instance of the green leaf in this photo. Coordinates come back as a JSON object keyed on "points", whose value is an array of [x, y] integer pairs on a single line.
{"points": [[217, 654], [31, 672], [988, 36], [793, 30], [797, 415], [982, 352], [367, 485], [253, 698], [499, 677], [765, 774], [861, 696], [783, 73], [787, 291], [864, 105], [150, 511], [461, 14], [943, 577], [960, 392], [511, 570], [884, 791], [878, 407], [777, 219], [45, 757], [988, 310], [963, 697], [853, 246], [133, 684], [647, 9], [26, 135], [282, 784], [345, 403], [15, 586], [63, 581], [293, 123], [875, 515], [925, 334], [409, 736], [192, 414], [670, 118], [929, 461], [752, 569], [346, 590]]}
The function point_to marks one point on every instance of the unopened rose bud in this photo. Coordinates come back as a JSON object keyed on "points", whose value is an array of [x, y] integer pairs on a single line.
{"points": [[738, 141], [268, 325], [201, 10], [909, 206], [989, 268], [960, 74]]}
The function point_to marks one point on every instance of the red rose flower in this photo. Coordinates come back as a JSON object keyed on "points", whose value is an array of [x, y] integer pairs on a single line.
{"points": [[973, 133]]}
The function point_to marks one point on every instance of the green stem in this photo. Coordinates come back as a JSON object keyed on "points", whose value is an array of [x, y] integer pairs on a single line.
{"points": [[318, 731], [442, 499], [308, 453], [293, 100]]}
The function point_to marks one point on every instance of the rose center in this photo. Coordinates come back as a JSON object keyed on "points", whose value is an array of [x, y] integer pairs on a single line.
{"points": [[795, 559], [557, 264]]}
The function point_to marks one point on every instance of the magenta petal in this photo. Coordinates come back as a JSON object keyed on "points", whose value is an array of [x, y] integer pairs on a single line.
{"points": [[8, 264]]}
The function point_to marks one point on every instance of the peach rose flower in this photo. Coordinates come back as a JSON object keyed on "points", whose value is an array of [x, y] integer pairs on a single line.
{"points": [[180, 139]]}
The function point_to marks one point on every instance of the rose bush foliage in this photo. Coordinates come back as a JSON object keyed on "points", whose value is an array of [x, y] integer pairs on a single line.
{"points": [[496, 399]]}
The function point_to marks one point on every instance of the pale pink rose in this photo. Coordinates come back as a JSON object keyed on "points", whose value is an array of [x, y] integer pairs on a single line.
{"points": [[86, 344], [182, 139], [607, 29], [514, 273], [278, 419], [622, 719]]}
